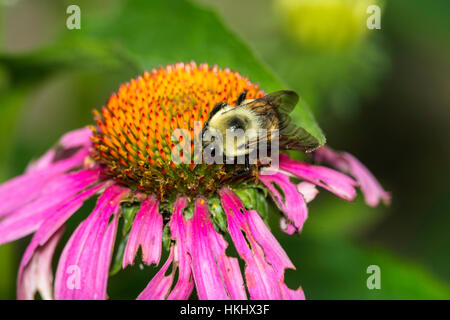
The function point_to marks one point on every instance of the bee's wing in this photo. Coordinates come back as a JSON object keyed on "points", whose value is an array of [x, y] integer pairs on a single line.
{"points": [[293, 137], [284, 101], [253, 143]]}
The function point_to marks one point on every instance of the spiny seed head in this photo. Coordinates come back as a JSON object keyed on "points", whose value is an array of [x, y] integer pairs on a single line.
{"points": [[133, 136]]}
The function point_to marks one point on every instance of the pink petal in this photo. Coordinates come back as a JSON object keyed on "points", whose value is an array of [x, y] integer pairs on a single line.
{"points": [[82, 271], [345, 162], [146, 233], [308, 190], [56, 220], [287, 226], [290, 202], [274, 253], [262, 281], [76, 138], [179, 229], [229, 267], [49, 230], [23, 189], [73, 139], [372, 190], [43, 162], [37, 276], [158, 288], [335, 182], [208, 280], [57, 193], [289, 294], [261, 278], [264, 257]]}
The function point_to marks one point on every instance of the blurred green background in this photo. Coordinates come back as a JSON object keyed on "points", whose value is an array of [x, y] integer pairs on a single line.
{"points": [[382, 95]]}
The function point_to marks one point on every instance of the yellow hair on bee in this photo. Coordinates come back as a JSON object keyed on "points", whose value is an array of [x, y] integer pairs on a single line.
{"points": [[238, 125]]}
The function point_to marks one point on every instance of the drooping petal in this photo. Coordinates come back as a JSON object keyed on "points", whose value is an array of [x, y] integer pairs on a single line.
{"points": [[291, 202], [180, 230], [338, 183], [146, 233], [265, 259], [56, 194], [77, 138], [261, 278], [216, 275], [27, 187], [208, 280], [274, 253], [372, 190], [287, 226], [262, 281], [308, 190], [159, 287], [55, 221], [43, 162], [36, 276], [229, 267], [23, 189], [289, 294], [82, 271], [42, 241], [101, 271]]}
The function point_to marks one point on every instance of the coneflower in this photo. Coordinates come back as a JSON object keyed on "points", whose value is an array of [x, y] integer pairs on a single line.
{"points": [[188, 209]]}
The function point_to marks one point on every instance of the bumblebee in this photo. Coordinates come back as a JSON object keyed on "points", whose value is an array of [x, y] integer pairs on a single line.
{"points": [[250, 116]]}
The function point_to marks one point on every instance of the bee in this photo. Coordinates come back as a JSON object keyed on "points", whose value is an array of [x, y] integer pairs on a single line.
{"points": [[250, 116]]}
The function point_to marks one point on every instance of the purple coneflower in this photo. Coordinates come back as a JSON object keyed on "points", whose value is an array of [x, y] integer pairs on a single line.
{"points": [[187, 208]]}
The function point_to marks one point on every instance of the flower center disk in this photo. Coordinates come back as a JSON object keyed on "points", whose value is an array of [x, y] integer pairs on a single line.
{"points": [[133, 137]]}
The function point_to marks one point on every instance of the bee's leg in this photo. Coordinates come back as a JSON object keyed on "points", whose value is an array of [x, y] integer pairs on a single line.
{"points": [[247, 162], [217, 107], [241, 97], [246, 169]]}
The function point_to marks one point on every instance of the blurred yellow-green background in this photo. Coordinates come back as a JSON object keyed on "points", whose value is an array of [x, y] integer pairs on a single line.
{"points": [[381, 94]]}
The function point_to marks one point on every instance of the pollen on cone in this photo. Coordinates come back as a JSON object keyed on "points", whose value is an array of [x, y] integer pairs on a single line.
{"points": [[133, 136]]}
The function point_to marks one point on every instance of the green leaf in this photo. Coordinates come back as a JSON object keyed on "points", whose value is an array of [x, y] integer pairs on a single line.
{"points": [[330, 80], [188, 212], [128, 213], [218, 214], [70, 53], [147, 34], [166, 238], [116, 264], [193, 33], [254, 199]]}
